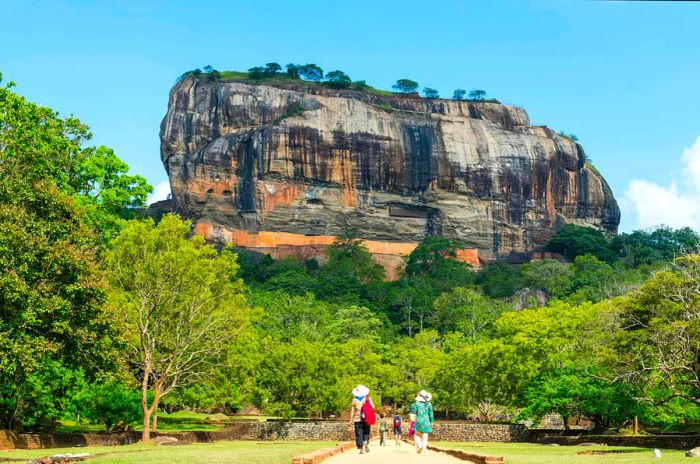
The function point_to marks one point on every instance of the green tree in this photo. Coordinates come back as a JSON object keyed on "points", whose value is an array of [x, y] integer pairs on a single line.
{"points": [[53, 324], [271, 69], [466, 311], [435, 258], [109, 403], [355, 322], [287, 317], [662, 244], [349, 269], [107, 192], [476, 94], [576, 393], [338, 80], [292, 70], [431, 93], [553, 277], [256, 73], [181, 303], [660, 334], [458, 94], [311, 72], [297, 378], [405, 86], [572, 241], [499, 280]]}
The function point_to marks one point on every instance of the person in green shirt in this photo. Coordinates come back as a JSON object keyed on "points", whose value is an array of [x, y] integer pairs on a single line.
{"points": [[423, 411], [382, 429]]}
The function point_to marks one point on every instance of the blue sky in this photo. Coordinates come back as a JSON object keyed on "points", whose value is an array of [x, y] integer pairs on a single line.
{"points": [[622, 76]]}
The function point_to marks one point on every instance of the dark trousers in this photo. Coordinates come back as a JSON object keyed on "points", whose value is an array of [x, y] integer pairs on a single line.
{"points": [[361, 434]]}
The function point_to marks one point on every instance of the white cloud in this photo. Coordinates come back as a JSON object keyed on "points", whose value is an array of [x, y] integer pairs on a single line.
{"points": [[160, 192], [677, 205]]}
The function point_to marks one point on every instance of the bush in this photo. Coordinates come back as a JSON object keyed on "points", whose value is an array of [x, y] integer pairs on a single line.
{"points": [[109, 403]]}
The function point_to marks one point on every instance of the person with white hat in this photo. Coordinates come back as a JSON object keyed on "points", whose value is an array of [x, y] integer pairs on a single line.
{"points": [[423, 411], [362, 417]]}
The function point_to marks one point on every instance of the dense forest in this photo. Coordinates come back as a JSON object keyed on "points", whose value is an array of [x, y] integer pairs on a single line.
{"points": [[109, 317]]}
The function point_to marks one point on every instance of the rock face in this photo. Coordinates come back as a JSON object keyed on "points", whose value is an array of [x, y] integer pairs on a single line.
{"points": [[305, 161]]}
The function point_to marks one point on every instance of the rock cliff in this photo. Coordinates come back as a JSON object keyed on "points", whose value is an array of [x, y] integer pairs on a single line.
{"points": [[266, 165]]}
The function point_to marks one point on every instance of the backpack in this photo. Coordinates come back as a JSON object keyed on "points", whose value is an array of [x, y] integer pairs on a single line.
{"points": [[397, 422], [367, 412]]}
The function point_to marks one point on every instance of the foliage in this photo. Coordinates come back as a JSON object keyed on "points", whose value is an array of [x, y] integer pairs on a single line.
{"points": [[499, 280], [576, 393], [311, 72], [405, 86], [572, 241], [53, 324], [661, 244], [660, 335], [108, 403], [256, 72], [107, 192], [292, 70], [467, 312], [272, 68], [338, 80], [477, 95], [459, 94], [430, 93], [570, 137], [552, 276]]}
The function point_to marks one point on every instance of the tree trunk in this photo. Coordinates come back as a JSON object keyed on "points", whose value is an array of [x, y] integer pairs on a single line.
{"points": [[146, 434], [636, 425], [154, 428], [566, 423]]}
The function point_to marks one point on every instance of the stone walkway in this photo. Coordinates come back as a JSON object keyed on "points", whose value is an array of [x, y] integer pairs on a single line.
{"points": [[391, 454]]}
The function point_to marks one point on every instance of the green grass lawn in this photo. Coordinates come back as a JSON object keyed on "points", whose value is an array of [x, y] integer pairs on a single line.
{"points": [[528, 453], [243, 452]]}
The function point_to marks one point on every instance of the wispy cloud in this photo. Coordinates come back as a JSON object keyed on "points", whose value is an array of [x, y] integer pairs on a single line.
{"points": [[160, 192], [676, 205]]}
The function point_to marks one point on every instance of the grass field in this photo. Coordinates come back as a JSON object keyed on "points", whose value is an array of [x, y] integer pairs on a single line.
{"points": [[528, 453], [243, 452]]}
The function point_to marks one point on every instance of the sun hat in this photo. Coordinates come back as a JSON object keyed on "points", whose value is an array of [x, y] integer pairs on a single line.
{"points": [[360, 390], [424, 396]]}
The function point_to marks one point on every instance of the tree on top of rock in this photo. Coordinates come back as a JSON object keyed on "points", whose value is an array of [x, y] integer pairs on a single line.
{"points": [[338, 80], [431, 93], [272, 68], [311, 72], [405, 86], [293, 70], [477, 95]]}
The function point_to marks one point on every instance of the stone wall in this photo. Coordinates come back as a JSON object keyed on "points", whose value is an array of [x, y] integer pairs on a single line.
{"points": [[463, 431], [14, 440]]}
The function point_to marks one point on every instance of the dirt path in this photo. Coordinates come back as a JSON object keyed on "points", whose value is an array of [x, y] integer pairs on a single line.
{"points": [[390, 454]]}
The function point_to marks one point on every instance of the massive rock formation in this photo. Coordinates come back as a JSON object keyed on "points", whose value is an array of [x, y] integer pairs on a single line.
{"points": [[272, 165]]}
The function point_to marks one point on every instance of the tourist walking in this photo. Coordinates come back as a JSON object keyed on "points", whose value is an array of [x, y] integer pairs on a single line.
{"points": [[362, 417], [398, 423], [423, 410], [383, 429]]}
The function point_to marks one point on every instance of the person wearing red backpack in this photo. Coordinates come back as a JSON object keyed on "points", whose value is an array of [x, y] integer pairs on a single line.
{"points": [[398, 423], [362, 417]]}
